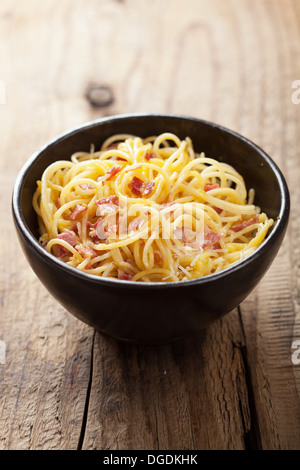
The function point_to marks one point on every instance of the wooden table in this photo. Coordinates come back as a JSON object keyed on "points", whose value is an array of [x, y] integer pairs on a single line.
{"points": [[235, 385]]}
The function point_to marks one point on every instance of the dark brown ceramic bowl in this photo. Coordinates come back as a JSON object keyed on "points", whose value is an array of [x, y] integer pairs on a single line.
{"points": [[151, 313]]}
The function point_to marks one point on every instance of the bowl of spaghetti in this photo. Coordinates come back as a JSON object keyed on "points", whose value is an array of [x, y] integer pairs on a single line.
{"points": [[150, 227]]}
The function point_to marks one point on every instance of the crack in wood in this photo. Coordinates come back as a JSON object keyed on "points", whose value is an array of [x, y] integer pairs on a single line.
{"points": [[252, 437], [87, 398]]}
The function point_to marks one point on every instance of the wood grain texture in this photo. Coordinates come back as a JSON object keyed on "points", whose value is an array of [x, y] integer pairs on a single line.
{"points": [[165, 397], [233, 386]]}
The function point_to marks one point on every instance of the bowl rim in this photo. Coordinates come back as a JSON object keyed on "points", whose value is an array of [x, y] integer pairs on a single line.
{"points": [[19, 219]]}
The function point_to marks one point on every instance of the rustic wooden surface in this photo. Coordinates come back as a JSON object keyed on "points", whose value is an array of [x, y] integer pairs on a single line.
{"points": [[234, 386]]}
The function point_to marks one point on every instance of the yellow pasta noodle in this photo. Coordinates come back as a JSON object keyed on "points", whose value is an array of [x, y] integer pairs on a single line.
{"points": [[148, 210]]}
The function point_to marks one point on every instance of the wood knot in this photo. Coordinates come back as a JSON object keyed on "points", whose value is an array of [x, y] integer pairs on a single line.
{"points": [[99, 96]]}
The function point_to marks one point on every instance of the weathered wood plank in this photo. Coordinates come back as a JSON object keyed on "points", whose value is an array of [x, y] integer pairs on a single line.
{"points": [[271, 314], [257, 100], [43, 382], [188, 395], [231, 387]]}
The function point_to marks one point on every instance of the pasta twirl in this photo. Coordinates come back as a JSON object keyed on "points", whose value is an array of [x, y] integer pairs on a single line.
{"points": [[147, 210]]}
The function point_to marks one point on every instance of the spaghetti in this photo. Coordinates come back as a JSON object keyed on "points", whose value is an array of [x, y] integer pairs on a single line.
{"points": [[150, 210]]}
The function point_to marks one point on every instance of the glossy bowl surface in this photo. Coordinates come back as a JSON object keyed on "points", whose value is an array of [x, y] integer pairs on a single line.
{"points": [[153, 313]]}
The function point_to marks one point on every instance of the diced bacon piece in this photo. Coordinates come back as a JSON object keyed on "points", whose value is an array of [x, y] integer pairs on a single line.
{"points": [[158, 259], [205, 240], [209, 187], [149, 156], [77, 210], [140, 188], [108, 200], [148, 188], [69, 237], [246, 223], [110, 230], [90, 225], [86, 251], [76, 227], [61, 251], [58, 204], [87, 186], [103, 230], [211, 238], [135, 224], [93, 230], [113, 171], [106, 210], [107, 206], [136, 186], [94, 238], [218, 210], [124, 276]]}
